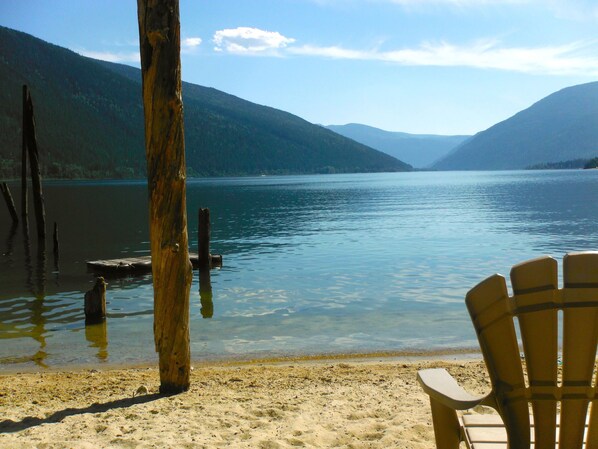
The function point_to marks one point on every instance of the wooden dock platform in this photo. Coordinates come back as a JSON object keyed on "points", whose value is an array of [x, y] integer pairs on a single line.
{"points": [[140, 265]]}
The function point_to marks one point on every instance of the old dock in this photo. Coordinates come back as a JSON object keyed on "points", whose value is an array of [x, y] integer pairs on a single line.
{"points": [[140, 265]]}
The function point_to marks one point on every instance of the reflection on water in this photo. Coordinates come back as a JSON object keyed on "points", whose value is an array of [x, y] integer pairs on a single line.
{"points": [[97, 336], [205, 294], [10, 239], [334, 263]]}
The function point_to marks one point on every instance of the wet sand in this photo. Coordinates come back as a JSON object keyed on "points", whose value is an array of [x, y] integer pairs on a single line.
{"points": [[372, 402]]}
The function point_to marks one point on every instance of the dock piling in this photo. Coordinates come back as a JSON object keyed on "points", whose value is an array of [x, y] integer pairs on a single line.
{"points": [[203, 239], [95, 302], [9, 202]]}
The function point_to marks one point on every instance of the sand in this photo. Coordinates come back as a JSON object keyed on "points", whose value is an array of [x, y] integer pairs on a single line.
{"points": [[353, 403]]}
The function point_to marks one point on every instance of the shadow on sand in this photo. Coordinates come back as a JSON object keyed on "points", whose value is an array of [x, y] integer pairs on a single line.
{"points": [[10, 426]]}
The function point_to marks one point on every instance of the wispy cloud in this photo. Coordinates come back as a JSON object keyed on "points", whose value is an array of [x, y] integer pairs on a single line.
{"points": [[581, 10], [457, 3], [578, 58], [250, 41], [188, 45], [111, 56], [414, 4]]}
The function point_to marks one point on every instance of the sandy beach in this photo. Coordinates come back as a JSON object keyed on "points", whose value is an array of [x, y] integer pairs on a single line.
{"points": [[342, 403]]}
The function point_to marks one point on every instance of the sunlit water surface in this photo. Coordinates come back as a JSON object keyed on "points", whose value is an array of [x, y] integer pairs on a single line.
{"points": [[312, 264]]}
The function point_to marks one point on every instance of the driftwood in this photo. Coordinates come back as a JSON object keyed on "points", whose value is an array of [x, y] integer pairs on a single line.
{"points": [[36, 177], [95, 302], [159, 43], [9, 202]]}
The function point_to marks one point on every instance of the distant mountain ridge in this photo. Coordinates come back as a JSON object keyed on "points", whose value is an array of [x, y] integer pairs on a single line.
{"points": [[90, 123], [561, 127], [418, 150]]}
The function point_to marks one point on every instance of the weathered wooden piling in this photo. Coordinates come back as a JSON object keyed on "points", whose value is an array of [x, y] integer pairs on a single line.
{"points": [[203, 239], [9, 202], [159, 44], [56, 252], [206, 261], [55, 239], [95, 302], [36, 177], [24, 156]]}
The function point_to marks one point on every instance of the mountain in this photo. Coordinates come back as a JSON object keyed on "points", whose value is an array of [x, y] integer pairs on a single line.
{"points": [[419, 150], [563, 126], [89, 121]]}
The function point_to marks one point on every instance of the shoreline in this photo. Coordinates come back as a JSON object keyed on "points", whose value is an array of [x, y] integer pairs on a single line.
{"points": [[353, 402], [406, 356]]}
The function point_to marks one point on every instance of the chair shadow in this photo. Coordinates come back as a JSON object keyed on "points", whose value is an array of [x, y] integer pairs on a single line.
{"points": [[10, 426]]}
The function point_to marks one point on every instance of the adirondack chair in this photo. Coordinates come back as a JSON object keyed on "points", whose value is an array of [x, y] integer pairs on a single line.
{"points": [[559, 400]]}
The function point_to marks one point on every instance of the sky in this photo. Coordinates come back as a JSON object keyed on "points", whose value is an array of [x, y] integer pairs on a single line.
{"points": [[418, 66]]}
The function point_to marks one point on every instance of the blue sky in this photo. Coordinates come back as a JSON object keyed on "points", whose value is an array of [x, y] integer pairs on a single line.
{"points": [[418, 66]]}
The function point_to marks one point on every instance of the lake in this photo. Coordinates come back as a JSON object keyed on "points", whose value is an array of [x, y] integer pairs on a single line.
{"points": [[312, 264]]}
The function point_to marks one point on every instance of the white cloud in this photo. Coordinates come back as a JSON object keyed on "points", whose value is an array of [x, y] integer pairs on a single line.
{"points": [[111, 56], [250, 41], [579, 58], [191, 42]]}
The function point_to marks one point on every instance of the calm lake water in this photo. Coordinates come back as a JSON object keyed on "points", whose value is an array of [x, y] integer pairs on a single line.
{"points": [[312, 264]]}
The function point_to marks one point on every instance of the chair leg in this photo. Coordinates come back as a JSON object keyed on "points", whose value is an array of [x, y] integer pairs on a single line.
{"points": [[447, 430]]}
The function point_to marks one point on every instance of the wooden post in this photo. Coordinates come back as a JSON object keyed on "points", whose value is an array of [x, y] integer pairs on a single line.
{"points": [[159, 39], [95, 302], [27, 251], [55, 238], [36, 177], [24, 156], [203, 239], [56, 252], [9, 202]]}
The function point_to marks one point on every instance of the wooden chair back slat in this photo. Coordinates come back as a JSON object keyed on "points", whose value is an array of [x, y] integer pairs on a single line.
{"points": [[580, 336], [489, 306], [592, 436], [535, 288]]}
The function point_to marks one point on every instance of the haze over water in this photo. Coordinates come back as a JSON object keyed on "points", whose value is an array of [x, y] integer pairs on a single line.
{"points": [[312, 264]]}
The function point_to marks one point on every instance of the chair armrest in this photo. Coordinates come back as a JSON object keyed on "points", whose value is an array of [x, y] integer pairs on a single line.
{"points": [[442, 387]]}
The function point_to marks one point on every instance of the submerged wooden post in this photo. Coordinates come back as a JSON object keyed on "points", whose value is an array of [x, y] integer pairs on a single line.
{"points": [[159, 39], [203, 239], [95, 302], [9, 202], [24, 156], [36, 177]]}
